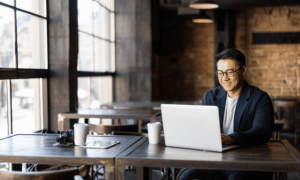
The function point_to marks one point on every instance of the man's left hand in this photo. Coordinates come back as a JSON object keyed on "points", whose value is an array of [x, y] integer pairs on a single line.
{"points": [[227, 140]]}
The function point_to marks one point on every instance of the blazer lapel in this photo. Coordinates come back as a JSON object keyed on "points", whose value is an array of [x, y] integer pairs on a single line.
{"points": [[220, 101], [241, 105]]}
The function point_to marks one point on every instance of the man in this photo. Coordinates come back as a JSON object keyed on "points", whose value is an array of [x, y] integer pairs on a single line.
{"points": [[246, 114]]}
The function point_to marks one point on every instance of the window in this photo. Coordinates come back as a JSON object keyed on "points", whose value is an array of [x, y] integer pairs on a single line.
{"points": [[96, 58], [23, 66]]}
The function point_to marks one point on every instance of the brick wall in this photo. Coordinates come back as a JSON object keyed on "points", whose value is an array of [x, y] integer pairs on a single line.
{"points": [[274, 68], [183, 58]]}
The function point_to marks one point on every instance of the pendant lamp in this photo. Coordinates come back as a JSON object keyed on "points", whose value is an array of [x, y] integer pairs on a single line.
{"points": [[202, 18], [204, 4]]}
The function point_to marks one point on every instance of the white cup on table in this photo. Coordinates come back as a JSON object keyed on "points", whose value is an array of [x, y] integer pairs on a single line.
{"points": [[80, 133], [154, 130]]}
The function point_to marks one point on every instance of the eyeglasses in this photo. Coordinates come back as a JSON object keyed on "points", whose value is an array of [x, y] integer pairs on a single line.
{"points": [[229, 73]]}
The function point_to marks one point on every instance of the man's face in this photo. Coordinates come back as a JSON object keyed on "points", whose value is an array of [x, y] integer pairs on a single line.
{"points": [[234, 83]]}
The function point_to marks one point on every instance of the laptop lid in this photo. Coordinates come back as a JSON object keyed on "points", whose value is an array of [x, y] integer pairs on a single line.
{"points": [[192, 126]]}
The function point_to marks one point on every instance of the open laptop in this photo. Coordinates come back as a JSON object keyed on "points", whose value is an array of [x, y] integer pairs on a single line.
{"points": [[193, 127]]}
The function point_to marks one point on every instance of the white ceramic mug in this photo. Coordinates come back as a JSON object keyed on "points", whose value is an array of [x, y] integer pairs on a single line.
{"points": [[154, 130], [80, 133]]}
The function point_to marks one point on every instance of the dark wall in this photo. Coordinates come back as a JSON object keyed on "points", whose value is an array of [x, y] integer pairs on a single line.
{"points": [[183, 56]]}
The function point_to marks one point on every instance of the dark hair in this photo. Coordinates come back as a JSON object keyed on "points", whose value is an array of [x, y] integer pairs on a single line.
{"points": [[232, 54]]}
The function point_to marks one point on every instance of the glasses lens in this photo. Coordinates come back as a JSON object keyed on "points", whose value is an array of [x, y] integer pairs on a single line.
{"points": [[220, 74], [230, 73]]}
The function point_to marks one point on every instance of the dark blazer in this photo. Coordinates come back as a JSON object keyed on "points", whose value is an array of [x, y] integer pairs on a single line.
{"points": [[254, 114]]}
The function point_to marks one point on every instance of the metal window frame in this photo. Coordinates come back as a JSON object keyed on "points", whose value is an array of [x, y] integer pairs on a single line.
{"points": [[90, 74], [95, 73], [9, 74]]}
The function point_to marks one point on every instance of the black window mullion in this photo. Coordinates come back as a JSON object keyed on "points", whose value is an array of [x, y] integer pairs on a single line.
{"points": [[89, 73], [28, 12], [95, 36], [16, 36], [9, 107], [104, 6]]}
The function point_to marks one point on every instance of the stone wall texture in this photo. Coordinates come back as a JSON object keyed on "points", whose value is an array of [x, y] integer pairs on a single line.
{"points": [[274, 68]]}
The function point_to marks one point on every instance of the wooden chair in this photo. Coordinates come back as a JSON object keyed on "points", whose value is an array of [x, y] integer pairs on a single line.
{"points": [[66, 174], [277, 128], [291, 106], [108, 129]]}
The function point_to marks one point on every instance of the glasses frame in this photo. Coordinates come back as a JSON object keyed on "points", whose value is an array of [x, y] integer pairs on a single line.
{"points": [[227, 72]]}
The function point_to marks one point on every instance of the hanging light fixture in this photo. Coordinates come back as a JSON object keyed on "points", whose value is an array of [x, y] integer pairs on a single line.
{"points": [[204, 4], [202, 18]]}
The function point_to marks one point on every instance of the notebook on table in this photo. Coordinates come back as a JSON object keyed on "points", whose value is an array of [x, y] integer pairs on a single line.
{"points": [[193, 127]]}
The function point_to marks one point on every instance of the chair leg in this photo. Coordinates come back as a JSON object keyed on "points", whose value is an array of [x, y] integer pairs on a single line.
{"points": [[91, 172], [275, 176], [296, 136]]}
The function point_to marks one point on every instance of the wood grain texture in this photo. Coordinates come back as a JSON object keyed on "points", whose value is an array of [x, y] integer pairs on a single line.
{"points": [[143, 114], [38, 148], [140, 114], [275, 156]]}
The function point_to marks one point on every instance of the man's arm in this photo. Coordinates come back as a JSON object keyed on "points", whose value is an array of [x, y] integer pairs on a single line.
{"points": [[204, 99], [262, 125]]}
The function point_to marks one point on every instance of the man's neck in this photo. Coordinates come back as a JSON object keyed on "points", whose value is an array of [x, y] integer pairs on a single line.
{"points": [[236, 93]]}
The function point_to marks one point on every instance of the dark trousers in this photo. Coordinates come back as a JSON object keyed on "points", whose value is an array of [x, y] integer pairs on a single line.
{"points": [[191, 174]]}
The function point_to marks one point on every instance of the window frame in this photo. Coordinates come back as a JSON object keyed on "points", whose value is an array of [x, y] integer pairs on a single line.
{"points": [[90, 74], [9, 74]]}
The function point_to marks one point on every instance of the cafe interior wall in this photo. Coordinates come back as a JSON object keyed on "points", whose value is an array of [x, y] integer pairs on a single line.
{"points": [[274, 68], [183, 57], [133, 51]]}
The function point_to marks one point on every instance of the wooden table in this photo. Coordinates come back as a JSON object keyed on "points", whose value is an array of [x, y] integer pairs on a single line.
{"points": [[133, 105], [278, 156], [141, 104], [38, 148], [139, 114]]}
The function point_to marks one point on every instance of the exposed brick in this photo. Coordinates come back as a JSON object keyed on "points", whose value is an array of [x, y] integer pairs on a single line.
{"points": [[274, 68]]}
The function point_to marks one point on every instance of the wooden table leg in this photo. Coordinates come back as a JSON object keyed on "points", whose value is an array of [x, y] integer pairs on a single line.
{"points": [[120, 172], [109, 172], [139, 172], [282, 176], [140, 125], [173, 174]]}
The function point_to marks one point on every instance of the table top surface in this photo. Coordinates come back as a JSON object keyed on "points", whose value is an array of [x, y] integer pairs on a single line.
{"points": [[276, 155], [39, 148], [141, 104], [286, 98], [113, 113]]}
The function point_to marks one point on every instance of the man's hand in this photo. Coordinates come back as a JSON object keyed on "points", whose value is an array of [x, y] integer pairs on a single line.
{"points": [[227, 140]]}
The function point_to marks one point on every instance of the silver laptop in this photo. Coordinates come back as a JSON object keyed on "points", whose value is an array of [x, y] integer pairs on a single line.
{"points": [[193, 127]]}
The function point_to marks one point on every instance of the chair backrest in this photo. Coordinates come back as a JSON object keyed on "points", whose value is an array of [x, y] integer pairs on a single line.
{"points": [[107, 129], [66, 174]]}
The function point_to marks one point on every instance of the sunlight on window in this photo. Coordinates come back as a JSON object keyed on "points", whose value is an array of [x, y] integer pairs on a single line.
{"points": [[32, 47], [26, 105], [9, 2], [3, 109], [34, 6], [7, 44]]}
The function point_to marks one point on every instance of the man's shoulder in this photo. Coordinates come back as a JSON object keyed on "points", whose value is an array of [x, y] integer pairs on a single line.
{"points": [[215, 92], [255, 91]]}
